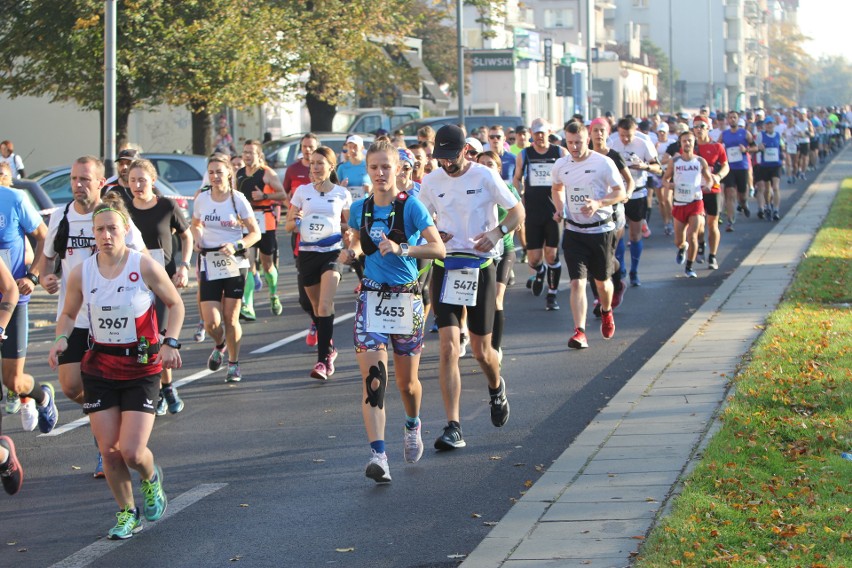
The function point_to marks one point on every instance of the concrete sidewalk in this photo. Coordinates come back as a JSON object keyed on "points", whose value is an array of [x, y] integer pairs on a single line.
{"points": [[596, 503]]}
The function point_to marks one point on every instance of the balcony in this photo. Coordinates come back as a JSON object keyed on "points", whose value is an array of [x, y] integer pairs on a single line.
{"points": [[733, 12], [733, 79], [732, 46]]}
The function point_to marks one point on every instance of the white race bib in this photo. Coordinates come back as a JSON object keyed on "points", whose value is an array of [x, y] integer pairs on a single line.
{"points": [[685, 192], [158, 255], [357, 192], [315, 228], [220, 265], [113, 324], [260, 217], [6, 256], [734, 154], [771, 155], [460, 287], [390, 313], [578, 197], [540, 174]]}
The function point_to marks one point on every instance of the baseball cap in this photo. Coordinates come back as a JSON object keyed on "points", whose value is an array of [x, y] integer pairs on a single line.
{"points": [[474, 143], [663, 127], [701, 118], [681, 128], [128, 154], [540, 128], [355, 139], [769, 119], [449, 142], [406, 156], [741, 122]]}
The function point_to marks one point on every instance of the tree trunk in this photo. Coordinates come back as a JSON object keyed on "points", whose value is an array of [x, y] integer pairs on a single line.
{"points": [[322, 113], [123, 105], [202, 129]]}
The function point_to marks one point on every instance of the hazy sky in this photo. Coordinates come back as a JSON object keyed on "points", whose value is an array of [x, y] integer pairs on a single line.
{"points": [[819, 19]]}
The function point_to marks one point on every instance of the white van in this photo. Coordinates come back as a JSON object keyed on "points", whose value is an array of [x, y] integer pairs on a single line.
{"points": [[372, 119]]}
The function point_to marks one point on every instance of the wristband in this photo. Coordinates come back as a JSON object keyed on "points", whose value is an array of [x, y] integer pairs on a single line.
{"points": [[183, 265], [32, 278], [171, 342], [65, 337]]}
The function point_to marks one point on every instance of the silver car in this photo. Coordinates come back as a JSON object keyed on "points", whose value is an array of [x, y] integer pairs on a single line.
{"points": [[282, 152]]}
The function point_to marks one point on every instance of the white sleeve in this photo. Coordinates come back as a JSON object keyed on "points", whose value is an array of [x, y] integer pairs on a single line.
{"points": [[133, 239], [52, 227], [243, 208]]}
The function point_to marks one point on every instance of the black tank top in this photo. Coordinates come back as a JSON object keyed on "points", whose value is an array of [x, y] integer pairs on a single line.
{"points": [[537, 180], [246, 184]]}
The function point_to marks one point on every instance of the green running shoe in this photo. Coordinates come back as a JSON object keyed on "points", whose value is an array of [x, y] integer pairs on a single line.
{"points": [[128, 524], [247, 313], [275, 305], [155, 499]]}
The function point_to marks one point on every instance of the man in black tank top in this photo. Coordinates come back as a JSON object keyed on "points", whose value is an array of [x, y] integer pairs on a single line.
{"points": [[533, 182]]}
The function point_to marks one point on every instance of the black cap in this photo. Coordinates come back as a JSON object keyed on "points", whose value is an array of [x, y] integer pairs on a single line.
{"points": [[128, 154], [449, 142]]}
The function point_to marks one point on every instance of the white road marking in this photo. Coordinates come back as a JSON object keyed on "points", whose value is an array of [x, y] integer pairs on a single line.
{"points": [[201, 374], [86, 556]]}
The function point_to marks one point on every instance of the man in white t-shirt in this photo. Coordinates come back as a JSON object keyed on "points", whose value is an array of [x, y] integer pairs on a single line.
{"points": [[463, 196], [8, 155], [586, 186]]}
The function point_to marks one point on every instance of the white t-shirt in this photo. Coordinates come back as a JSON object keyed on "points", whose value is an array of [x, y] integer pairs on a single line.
{"points": [[466, 206], [81, 245], [687, 180], [221, 220], [320, 229], [637, 150], [590, 178]]}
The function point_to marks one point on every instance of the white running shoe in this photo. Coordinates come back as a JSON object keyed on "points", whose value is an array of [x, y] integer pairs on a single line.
{"points": [[464, 341], [29, 415], [412, 444], [377, 468]]}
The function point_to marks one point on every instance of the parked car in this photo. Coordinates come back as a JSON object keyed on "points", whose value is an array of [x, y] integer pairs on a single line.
{"points": [[372, 119], [56, 183], [37, 197], [474, 121], [282, 152], [184, 172]]}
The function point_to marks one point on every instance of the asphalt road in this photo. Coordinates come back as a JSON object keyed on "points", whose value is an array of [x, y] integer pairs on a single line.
{"points": [[270, 472]]}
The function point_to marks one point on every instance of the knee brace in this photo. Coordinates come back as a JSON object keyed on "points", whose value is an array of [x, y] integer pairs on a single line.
{"points": [[376, 397]]}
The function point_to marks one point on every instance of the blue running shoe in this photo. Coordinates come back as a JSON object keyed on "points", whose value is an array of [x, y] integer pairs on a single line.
{"points": [[128, 524], [258, 283], [48, 415], [99, 468], [155, 499]]}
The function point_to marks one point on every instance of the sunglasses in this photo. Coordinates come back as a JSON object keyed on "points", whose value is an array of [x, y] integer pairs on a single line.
{"points": [[495, 136], [700, 126], [406, 168], [471, 153]]}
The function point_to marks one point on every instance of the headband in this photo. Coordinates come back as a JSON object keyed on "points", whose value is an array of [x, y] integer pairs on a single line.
{"points": [[120, 214]]}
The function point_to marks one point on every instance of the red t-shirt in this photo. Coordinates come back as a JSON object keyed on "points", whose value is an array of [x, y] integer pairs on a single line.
{"points": [[297, 174], [713, 153]]}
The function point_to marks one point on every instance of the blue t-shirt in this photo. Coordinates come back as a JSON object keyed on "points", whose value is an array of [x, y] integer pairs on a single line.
{"points": [[391, 269], [357, 175], [507, 159], [17, 218]]}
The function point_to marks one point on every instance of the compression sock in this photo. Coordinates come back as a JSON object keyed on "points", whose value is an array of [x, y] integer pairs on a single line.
{"points": [[619, 253], [37, 394], [325, 331], [271, 278], [635, 255], [411, 423], [378, 446], [248, 294], [554, 273], [497, 333]]}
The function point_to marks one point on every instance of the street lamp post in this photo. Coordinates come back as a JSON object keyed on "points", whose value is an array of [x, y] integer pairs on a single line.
{"points": [[109, 83], [459, 6]]}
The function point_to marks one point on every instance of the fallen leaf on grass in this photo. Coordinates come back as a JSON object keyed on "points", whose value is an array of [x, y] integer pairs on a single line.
{"points": [[350, 549]]}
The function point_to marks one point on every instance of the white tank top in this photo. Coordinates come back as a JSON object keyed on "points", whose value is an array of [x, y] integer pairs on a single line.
{"points": [[687, 180]]}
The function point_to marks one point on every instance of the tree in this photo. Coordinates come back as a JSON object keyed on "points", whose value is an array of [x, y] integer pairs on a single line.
{"points": [[830, 82], [658, 59], [788, 62]]}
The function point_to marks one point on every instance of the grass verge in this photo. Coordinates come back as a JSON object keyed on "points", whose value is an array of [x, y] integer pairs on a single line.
{"points": [[771, 488]]}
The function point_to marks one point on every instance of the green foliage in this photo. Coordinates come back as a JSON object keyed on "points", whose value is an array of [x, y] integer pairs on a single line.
{"points": [[788, 65], [829, 83], [658, 59]]}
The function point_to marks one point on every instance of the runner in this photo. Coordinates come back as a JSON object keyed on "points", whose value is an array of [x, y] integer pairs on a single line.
{"points": [[158, 219], [736, 141], [35, 402], [120, 185], [586, 186], [121, 372], [715, 156], [316, 210], [259, 184], [467, 222], [8, 155], [353, 172], [532, 181], [641, 158], [663, 202], [490, 159], [768, 172], [389, 309], [218, 219], [687, 176], [804, 131], [11, 472]]}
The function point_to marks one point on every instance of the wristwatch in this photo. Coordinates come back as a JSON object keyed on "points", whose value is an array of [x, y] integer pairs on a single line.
{"points": [[32, 278], [403, 249], [504, 229], [171, 342], [183, 265], [239, 245]]}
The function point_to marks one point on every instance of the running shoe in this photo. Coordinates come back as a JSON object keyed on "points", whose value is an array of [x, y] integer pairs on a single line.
{"points": [[776, 216], [597, 308], [320, 371], [530, 282], [451, 438], [377, 468], [746, 211], [200, 332], [729, 228], [617, 295], [155, 499], [760, 214], [500, 356], [173, 400], [233, 375], [767, 212], [275, 306], [690, 273], [99, 468], [258, 282], [29, 415], [128, 524], [646, 230], [216, 359], [329, 361], [434, 328], [667, 230], [607, 324], [680, 258], [634, 280], [538, 282], [552, 304], [311, 337], [739, 208], [162, 407], [499, 406], [578, 340], [12, 475], [48, 414], [712, 264], [464, 341], [412, 444], [13, 402], [247, 313]]}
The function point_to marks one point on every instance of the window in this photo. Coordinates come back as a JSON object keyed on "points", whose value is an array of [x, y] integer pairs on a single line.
{"points": [[640, 3], [176, 171], [559, 18]]}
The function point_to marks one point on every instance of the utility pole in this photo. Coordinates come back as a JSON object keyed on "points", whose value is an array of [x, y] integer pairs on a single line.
{"points": [[671, 61], [459, 7], [109, 84], [711, 91]]}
